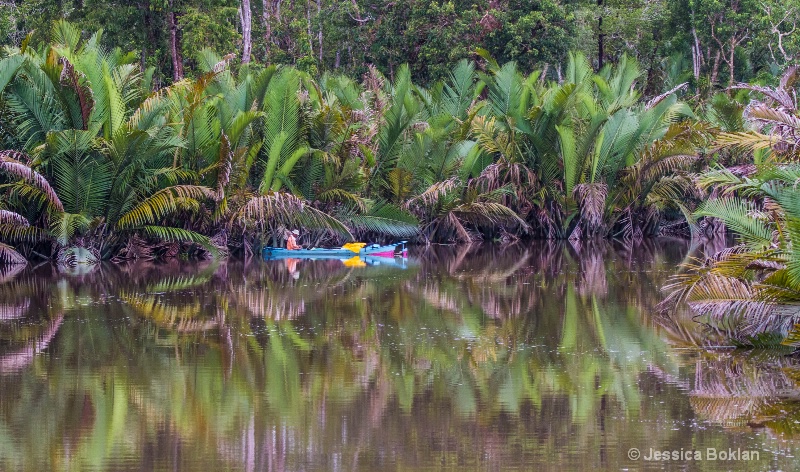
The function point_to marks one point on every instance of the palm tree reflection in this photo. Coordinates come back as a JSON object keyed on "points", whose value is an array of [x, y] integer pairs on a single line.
{"points": [[243, 363]]}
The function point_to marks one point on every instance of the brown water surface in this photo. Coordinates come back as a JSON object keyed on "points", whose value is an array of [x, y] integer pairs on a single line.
{"points": [[534, 357]]}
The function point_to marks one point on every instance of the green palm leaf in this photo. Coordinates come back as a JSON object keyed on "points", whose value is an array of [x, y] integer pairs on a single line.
{"points": [[383, 218], [65, 226], [180, 235], [738, 215], [8, 69], [161, 204]]}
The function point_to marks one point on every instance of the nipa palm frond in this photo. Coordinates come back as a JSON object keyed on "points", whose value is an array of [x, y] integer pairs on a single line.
{"points": [[10, 162], [8, 69], [66, 225], [11, 218], [15, 228], [591, 199], [487, 213], [383, 218], [162, 203], [9, 255], [750, 140], [726, 297], [180, 235], [284, 209], [434, 192], [738, 215]]}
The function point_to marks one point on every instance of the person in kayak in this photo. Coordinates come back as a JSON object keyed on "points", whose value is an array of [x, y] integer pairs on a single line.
{"points": [[291, 240]]}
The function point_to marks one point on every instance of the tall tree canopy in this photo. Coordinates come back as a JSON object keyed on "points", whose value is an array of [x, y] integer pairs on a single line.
{"points": [[718, 42]]}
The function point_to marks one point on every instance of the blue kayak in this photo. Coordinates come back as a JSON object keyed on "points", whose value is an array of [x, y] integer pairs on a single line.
{"points": [[373, 250]]}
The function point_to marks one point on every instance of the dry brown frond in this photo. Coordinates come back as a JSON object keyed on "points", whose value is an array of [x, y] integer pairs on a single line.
{"points": [[748, 140], [223, 64], [656, 100], [434, 192], [71, 77], [773, 116], [452, 223], [286, 210], [225, 162], [781, 96], [591, 199], [788, 78], [744, 170]]}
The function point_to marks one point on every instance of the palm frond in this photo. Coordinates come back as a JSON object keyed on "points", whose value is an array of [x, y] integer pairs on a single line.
{"points": [[282, 209], [383, 218], [8, 69], [591, 199], [22, 233], [726, 297], [9, 255], [772, 116], [10, 162], [82, 177], [66, 225], [750, 140], [434, 192], [180, 235], [76, 81], [164, 202], [338, 195], [487, 213], [738, 215], [34, 104], [11, 218], [781, 96]]}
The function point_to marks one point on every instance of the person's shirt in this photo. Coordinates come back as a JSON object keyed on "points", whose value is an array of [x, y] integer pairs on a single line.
{"points": [[291, 243]]}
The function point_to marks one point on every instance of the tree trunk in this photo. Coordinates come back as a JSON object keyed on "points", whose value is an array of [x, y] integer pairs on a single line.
{"points": [[600, 37], [731, 62], [319, 33], [174, 43], [715, 69], [266, 18], [146, 34], [308, 26], [697, 55], [246, 16]]}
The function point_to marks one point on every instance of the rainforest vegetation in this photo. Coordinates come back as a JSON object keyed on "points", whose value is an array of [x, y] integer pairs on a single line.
{"points": [[144, 130], [98, 164]]}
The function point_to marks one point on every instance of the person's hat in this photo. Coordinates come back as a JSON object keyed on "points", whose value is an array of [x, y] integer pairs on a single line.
{"points": [[295, 232]]}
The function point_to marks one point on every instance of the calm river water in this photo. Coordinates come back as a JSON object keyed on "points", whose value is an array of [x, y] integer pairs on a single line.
{"points": [[534, 357]]}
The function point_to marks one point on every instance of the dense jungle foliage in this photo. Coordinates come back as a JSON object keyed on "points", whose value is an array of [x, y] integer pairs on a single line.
{"points": [[98, 165], [712, 42]]}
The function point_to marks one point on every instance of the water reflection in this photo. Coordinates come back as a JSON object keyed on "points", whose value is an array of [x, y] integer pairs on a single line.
{"points": [[529, 356]]}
